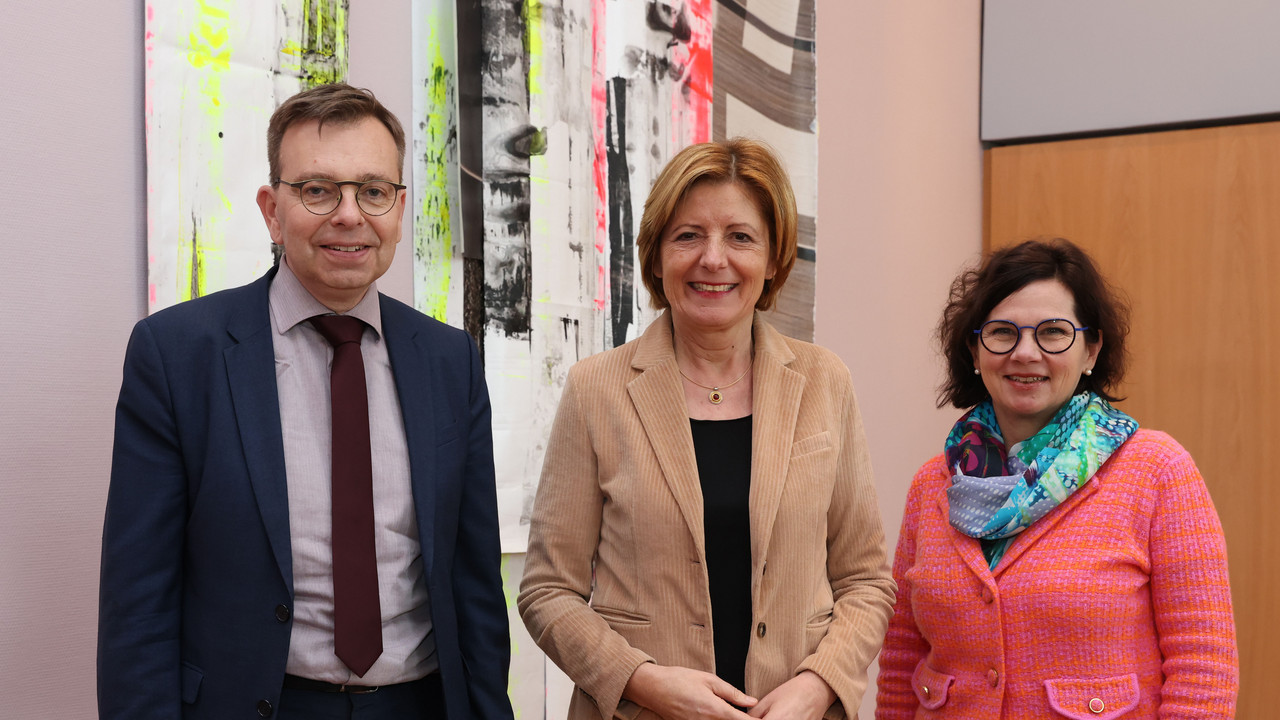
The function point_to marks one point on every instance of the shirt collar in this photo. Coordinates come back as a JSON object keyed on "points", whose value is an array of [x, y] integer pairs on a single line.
{"points": [[292, 304]]}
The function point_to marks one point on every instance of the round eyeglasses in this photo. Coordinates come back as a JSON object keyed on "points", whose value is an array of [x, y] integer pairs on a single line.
{"points": [[1054, 336], [321, 197]]}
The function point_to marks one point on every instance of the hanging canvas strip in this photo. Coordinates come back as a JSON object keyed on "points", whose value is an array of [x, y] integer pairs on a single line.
{"points": [[215, 71]]}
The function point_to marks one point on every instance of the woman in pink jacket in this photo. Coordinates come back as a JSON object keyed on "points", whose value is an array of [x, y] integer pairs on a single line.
{"points": [[1055, 561]]}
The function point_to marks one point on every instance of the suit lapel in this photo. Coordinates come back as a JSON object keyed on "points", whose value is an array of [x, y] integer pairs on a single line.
{"points": [[969, 549], [412, 365], [658, 396], [1037, 530], [251, 375], [776, 393]]}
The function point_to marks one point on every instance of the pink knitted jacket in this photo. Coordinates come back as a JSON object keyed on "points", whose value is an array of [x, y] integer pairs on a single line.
{"points": [[1114, 605]]}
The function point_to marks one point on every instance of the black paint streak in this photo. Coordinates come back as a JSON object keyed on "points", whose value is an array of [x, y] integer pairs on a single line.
{"points": [[473, 301], [799, 43], [670, 18], [509, 203], [507, 301], [507, 141], [621, 242], [571, 329], [470, 128], [658, 68]]}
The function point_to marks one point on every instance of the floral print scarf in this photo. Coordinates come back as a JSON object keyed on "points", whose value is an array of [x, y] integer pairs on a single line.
{"points": [[997, 493]]}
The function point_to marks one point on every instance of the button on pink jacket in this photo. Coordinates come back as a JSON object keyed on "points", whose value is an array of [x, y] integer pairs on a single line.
{"points": [[1115, 605]]}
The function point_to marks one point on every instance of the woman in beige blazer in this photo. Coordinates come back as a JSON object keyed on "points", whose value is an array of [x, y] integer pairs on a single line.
{"points": [[705, 540]]}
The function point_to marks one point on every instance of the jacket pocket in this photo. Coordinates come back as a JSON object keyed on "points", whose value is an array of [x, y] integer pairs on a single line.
{"points": [[821, 619], [811, 444], [931, 686], [815, 629], [192, 676], [1093, 698], [620, 617], [447, 434]]}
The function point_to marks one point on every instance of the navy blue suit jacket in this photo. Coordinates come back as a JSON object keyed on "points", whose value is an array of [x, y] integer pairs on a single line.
{"points": [[197, 578]]}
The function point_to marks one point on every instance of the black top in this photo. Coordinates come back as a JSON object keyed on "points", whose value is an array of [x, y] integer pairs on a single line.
{"points": [[723, 450]]}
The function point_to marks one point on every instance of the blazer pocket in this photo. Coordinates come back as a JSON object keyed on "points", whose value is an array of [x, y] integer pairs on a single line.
{"points": [[815, 629], [1093, 698], [620, 617], [820, 619], [448, 434], [192, 676], [931, 686], [811, 444]]}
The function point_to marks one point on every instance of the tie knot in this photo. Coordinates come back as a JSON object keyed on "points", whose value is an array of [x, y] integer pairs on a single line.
{"points": [[339, 329]]}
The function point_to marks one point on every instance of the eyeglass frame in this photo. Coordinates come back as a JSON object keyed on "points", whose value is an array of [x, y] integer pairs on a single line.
{"points": [[298, 185], [1034, 335]]}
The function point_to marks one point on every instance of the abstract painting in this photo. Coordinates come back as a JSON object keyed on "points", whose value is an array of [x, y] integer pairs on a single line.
{"points": [[539, 127], [215, 71]]}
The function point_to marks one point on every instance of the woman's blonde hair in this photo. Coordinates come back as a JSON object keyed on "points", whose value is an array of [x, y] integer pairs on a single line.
{"points": [[747, 163]]}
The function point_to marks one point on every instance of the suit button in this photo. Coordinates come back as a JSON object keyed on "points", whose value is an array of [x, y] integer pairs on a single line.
{"points": [[264, 708], [760, 628], [987, 597], [282, 613], [1096, 706], [924, 689], [993, 677]]}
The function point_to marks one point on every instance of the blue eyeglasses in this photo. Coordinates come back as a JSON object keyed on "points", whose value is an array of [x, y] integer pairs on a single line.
{"points": [[1055, 335]]}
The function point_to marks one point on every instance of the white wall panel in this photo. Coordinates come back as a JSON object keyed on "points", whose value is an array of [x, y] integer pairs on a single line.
{"points": [[1051, 67]]}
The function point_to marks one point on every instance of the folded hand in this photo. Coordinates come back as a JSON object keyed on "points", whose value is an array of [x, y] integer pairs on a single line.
{"points": [[678, 693], [804, 697]]}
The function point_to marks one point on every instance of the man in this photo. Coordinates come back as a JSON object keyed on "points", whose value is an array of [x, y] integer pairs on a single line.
{"points": [[238, 579]]}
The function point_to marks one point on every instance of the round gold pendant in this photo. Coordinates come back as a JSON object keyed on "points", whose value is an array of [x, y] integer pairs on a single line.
{"points": [[715, 397]]}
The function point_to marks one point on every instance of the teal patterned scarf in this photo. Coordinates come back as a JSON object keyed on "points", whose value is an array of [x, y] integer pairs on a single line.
{"points": [[997, 493]]}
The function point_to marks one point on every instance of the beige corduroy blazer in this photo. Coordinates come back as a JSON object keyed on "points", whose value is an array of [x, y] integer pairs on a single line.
{"points": [[615, 574]]}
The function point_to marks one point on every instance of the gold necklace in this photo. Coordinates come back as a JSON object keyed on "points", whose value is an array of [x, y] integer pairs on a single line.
{"points": [[715, 396]]}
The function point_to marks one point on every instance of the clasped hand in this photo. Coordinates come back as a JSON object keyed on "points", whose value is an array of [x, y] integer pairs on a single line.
{"points": [[678, 693]]}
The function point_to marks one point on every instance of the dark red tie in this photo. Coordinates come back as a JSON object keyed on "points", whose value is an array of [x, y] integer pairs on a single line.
{"points": [[357, 618]]}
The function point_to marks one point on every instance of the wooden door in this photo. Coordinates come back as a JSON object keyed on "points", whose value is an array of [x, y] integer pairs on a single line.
{"points": [[1187, 223]]}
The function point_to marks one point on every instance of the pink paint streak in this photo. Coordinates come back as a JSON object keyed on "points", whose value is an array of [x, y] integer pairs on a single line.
{"points": [[691, 107], [600, 160], [602, 282]]}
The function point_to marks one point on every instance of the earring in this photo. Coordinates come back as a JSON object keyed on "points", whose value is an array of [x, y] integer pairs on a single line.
{"points": [[1088, 371], [976, 371]]}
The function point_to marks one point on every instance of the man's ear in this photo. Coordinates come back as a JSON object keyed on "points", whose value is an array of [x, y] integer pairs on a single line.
{"points": [[267, 204]]}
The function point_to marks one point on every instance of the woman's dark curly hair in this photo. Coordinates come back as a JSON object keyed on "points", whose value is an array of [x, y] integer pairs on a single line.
{"points": [[974, 293]]}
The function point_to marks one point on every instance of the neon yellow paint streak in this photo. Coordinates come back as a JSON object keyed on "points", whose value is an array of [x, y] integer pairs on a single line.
{"points": [[533, 44], [324, 43], [433, 228], [538, 164], [291, 49], [510, 590], [202, 236]]}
